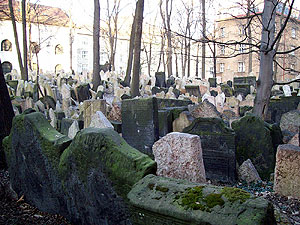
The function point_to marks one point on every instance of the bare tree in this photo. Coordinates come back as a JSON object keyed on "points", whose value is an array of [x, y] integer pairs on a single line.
{"points": [[166, 18], [96, 46], [137, 49], [13, 20], [112, 22], [203, 35]]}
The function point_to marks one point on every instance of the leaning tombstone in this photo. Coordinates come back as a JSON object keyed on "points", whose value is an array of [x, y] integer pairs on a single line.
{"points": [[99, 120], [160, 79]]}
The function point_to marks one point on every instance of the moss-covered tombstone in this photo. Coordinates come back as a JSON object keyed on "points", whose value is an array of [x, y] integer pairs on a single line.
{"points": [[254, 141], [159, 200]]}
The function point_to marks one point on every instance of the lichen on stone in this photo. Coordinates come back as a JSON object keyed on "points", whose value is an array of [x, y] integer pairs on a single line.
{"points": [[235, 194]]}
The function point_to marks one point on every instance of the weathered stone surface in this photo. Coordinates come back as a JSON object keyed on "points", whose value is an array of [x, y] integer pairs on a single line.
{"points": [[98, 120], [159, 200], [218, 147], [160, 80], [90, 107], [167, 103], [140, 125], [287, 171], [248, 173], [184, 120], [74, 128], [193, 90], [287, 90], [179, 155], [227, 90], [212, 82], [204, 109], [115, 113], [290, 121], [83, 92], [254, 141], [80, 182]]}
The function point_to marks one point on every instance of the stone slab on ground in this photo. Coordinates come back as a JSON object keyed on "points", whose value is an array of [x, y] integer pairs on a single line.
{"points": [[287, 171], [179, 155], [248, 173], [159, 200], [218, 147]]}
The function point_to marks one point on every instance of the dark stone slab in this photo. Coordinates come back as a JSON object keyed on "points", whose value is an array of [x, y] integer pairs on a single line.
{"points": [[228, 91], [165, 122], [213, 93], [254, 141], [212, 82], [193, 90], [117, 126], [156, 90], [277, 107], [229, 82], [49, 102], [140, 127], [160, 80], [13, 84], [218, 147], [251, 80], [166, 103], [171, 82], [83, 92], [243, 89], [65, 125]]}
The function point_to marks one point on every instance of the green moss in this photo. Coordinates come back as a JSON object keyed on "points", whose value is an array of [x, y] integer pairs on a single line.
{"points": [[213, 200], [7, 148], [235, 194]]}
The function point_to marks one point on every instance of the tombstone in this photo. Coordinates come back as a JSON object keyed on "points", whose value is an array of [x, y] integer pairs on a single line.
{"points": [[204, 109], [53, 119], [254, 141], [242, 85], [99, 120], [156, 90], [179, 155], [218, 147], [213, 93], [74, 128], [184, 120], [209, 98], [212, 82], [287, 171], [248, 173], [287, 90], [66, 96], [160, 79], [171, 82], [170, 94], [227, 90], [229, 82], [83, 92], [90, 107], [66, 123], [49, 102], [29, 103], [13, 84], [193, 90], [140, 124], [115, 113], [159, 200]]}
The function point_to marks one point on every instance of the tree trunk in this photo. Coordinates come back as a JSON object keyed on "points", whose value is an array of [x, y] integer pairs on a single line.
{"points": [[96, 46], [13, 20], [137, 49], [249, 36], [203, 36], [6, 116], [25, 49], [265, 80], [169, 38], [131, 49]]}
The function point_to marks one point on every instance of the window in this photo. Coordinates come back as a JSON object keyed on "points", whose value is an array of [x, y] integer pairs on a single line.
{"points": [[241, 67], [222, 67], [293, 32], [84, 54], [242, 48], [211, 70], [59, 50], [222, 32], [222, 49], [6, 46]]}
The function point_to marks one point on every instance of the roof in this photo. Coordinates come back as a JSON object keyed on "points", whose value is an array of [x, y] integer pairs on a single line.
{"points": [[37, 13]]}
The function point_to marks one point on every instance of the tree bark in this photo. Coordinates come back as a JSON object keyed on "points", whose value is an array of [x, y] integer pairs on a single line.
{"points": [[25, 49], [265, 80], [249, 36], [203, 36], [137, 49], [13, 20], [96, 46], [131, 49], [6, 115]]}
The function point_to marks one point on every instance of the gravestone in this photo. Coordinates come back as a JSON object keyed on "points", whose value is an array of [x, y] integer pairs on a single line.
{"points": [[184, 120], [242, 85], [90, 107], [193, 90], [98, 120], [160, 79], [155, 90], [140, 124], [159, 200], [218, 147], [212, 82], [287, 90], [83, 92], [179, 155], [228, 91], [229, 82], [204, 109], [171, 82]]}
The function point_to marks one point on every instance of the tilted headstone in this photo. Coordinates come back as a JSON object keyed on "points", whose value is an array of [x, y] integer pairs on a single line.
{"points": [[204, 109], [248, 173], [212, 82], [98, 120], [140, 123], [229, 82], [287, 171], [83, 92], [179, 155], [184, 120], [228, 91], [218, 147], [74, 128]]}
